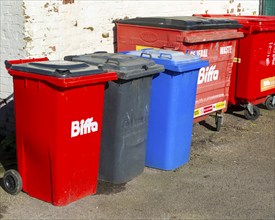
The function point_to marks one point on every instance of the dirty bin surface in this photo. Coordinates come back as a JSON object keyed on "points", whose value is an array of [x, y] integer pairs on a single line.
{"points": [[171, 107], [57, 130], [126, 112], [211, 39]]}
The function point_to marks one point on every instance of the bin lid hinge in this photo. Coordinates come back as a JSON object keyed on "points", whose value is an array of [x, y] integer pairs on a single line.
{"points": [[180, 38]]}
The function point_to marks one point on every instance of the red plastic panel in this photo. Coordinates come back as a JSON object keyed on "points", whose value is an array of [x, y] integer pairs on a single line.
{"points": [[253, 76], [250, 23], [256, 70], [217, 46], [58, 131]]}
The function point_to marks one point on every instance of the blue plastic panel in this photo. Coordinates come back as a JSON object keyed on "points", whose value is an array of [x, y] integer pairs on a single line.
{"points": [[172, 105], [172, 60]]}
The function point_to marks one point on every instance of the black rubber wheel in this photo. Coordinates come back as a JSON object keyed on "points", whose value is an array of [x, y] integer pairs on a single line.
{"points": [[254, 116], [218, 121], [268, 103], [12, 182]]}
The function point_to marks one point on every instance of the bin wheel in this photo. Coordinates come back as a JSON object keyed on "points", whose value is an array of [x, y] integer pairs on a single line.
{"points": [[218, 121], [254, 115], [12, 182], [269, 103]]}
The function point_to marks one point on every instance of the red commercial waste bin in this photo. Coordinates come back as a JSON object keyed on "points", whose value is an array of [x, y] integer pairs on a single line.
{"points": [[58, 112], [253, 77], [211, 39]]}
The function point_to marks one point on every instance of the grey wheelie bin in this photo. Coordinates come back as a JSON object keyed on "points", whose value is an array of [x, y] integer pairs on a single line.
{"points": [[126, 110]]}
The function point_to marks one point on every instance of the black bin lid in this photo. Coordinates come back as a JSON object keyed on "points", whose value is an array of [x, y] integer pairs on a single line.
{"points": [[60, 68], [183, 22], [126, 66]]}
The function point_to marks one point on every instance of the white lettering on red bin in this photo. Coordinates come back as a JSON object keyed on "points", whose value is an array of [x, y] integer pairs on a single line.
{"points": [[83, 127], [200, 53], [270, 56], [208, 74], [226, 50]]}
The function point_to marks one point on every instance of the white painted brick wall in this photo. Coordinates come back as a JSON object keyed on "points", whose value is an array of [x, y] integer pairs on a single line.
{"points": [[56, 29], [12, 34], [12, 47], [38, 28]]}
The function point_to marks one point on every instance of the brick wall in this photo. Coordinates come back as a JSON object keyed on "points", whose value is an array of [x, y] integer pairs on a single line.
{"points": [[55, 29], [12, 47], [12, 43], [61, 27]]}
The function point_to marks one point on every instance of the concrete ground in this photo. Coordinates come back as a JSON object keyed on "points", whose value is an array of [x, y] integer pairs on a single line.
{"points": [[230, 176]]}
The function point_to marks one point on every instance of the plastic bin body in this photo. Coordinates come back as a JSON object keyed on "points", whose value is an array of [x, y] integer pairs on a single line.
{"points": [[171, 108], [58, 162], [124, 136], [126, 111], [253, 78], [212, 40]]}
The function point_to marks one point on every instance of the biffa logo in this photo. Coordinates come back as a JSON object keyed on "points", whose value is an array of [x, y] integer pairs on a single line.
{"points": [[83, 127], [208, 74]]}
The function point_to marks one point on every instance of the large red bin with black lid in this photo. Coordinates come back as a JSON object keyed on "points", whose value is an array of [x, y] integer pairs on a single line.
{"points": [[211, 39], [58, 113], [253, 77]]}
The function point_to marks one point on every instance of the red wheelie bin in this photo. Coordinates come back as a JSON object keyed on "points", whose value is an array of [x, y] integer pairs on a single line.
{"points": [[211, 39], [253, 76], [58, 113]]}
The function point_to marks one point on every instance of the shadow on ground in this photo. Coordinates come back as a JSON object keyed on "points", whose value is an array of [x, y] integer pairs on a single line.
{"points": [[7, 157], [262, 106], [8, 153], [207, 125], [7, 136], [106, 188]]}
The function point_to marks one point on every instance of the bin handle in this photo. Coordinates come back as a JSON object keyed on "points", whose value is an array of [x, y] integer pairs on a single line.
{"points": [[146, 54], [8, 64], [165, 55], [145, 67], [113, 60], [100, 66], [62, 72]]}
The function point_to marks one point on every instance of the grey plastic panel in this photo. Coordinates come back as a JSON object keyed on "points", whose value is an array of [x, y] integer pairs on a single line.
{"points": [[126, 66], [60, 69], [183, 22]]}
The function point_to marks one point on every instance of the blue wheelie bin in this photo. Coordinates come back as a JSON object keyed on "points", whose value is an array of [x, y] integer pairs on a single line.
{"points": [[172, 105]]}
